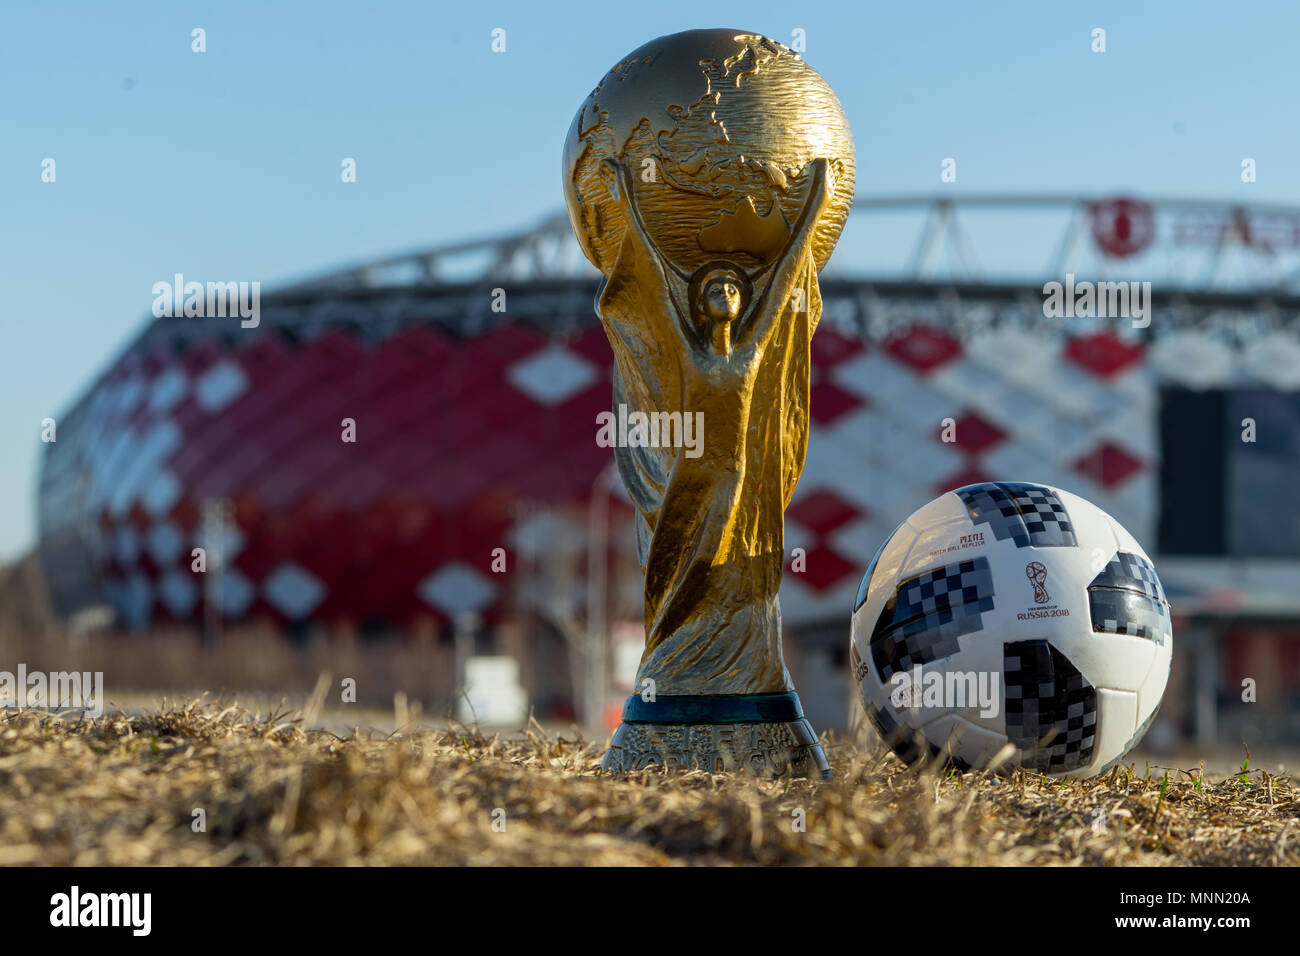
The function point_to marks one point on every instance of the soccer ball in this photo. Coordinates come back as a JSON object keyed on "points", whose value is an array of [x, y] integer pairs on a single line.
{"points": [[1012, 613]]}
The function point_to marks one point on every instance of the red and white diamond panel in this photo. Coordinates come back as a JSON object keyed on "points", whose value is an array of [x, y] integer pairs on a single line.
{"points": [[452, 436], [929, 413]]}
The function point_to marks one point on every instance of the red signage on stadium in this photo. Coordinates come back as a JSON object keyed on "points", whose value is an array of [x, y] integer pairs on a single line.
{"points": [[1122, 227]]}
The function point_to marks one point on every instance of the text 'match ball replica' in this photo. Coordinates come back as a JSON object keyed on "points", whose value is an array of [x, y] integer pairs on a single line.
{"points": [[708, 176], [1012, 613]]}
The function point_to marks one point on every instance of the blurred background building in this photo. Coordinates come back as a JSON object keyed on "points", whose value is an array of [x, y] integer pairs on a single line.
{"points": [[475, 431]]}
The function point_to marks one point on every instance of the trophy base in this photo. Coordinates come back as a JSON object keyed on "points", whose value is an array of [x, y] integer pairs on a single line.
{"points": [[722, 733]]}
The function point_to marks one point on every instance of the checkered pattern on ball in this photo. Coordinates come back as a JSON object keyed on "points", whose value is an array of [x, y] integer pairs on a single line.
{"points": [[1131, 572], [1051, 710], [1127, 598], [899, 738], [1127, 612], [904, 741], [1027, 514], [926, 615]]}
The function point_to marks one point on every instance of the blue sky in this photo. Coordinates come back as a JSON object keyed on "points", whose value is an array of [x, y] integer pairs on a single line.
{"points": [[226, 164]]}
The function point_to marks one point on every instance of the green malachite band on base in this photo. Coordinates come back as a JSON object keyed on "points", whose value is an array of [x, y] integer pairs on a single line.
{"points": [[714, 709]]}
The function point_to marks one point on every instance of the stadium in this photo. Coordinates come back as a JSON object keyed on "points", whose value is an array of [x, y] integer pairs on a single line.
{"points": [[475, 514]]}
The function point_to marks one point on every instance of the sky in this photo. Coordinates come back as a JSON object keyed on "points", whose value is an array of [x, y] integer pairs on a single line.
{"points": [[226, 164]]}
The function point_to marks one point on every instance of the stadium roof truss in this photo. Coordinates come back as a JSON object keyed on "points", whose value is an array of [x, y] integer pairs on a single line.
{"points": [[978, 260]]}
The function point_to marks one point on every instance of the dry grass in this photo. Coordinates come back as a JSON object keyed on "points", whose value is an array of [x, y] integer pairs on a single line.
{"points": [[250, 659], [122, 790]]}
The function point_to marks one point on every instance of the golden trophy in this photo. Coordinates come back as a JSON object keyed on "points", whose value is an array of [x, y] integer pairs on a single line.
{"points": [[708, 178]]}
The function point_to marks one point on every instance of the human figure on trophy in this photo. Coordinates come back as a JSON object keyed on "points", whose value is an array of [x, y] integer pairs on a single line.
{"points": [[710, 528]]}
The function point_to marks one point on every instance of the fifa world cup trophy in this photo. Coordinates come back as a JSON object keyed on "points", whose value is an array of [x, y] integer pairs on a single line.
{"points": [[708, 176]]}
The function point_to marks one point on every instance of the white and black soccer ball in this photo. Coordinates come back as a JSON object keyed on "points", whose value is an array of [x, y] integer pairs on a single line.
{"points": [[1012, 612]]}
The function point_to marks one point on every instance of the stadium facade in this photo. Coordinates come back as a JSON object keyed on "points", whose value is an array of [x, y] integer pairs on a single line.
{"points": [[475, 494]]}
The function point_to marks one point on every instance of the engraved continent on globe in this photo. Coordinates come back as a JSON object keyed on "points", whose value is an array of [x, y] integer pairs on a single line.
{"points": [[718, 129]]}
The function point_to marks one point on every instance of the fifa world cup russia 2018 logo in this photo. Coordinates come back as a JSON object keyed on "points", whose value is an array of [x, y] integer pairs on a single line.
{"points": [[1036, 571]]}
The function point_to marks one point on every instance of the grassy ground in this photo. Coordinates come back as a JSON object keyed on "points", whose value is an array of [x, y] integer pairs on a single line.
{"points": [[124, 789]]}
